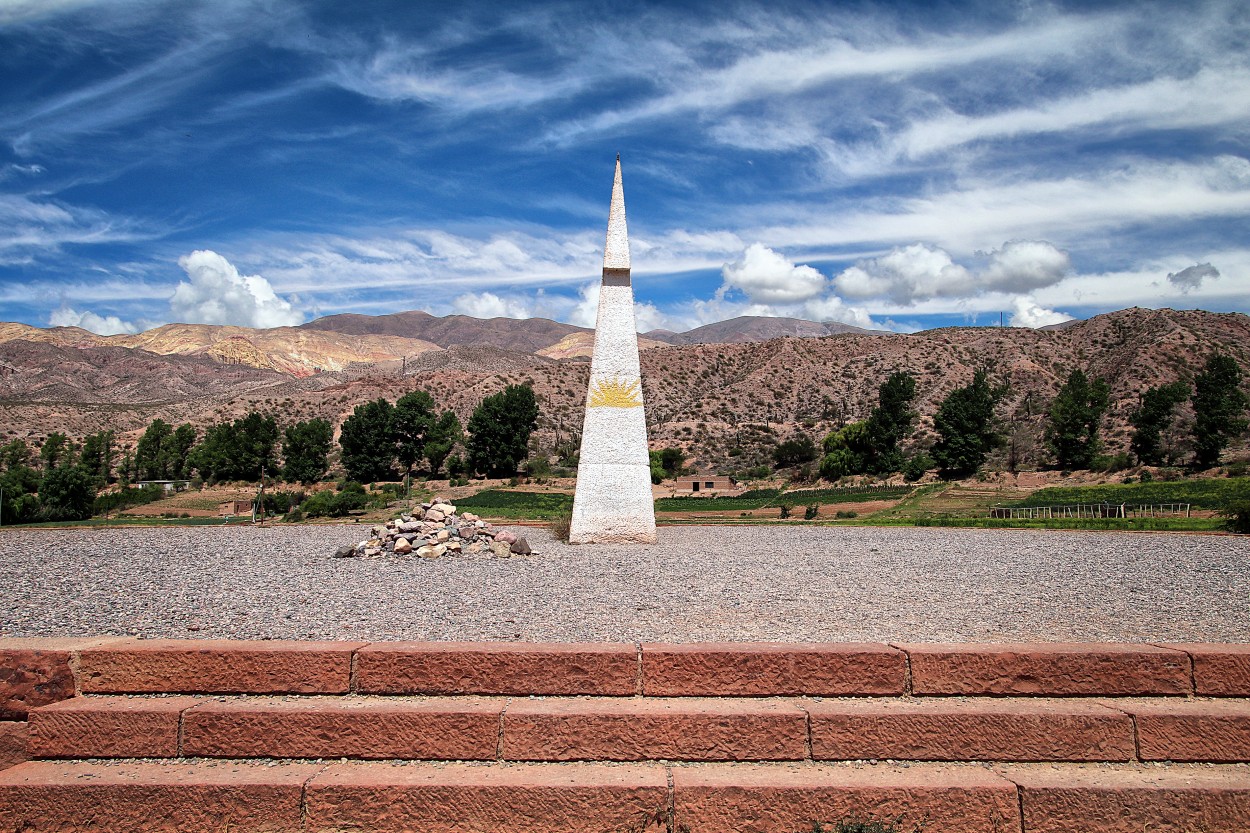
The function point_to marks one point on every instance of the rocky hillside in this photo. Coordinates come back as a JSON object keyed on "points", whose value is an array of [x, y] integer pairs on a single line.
{"points": [[725, 403]]}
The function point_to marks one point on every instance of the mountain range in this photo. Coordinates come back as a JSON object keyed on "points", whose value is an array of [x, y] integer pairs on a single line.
{"points": [[725, 391]]}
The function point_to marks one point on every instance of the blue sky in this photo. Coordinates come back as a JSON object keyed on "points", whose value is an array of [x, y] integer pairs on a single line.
{"points": [[264, 162]]}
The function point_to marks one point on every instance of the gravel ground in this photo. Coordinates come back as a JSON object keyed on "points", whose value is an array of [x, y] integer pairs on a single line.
{"points": [[700, 584]]}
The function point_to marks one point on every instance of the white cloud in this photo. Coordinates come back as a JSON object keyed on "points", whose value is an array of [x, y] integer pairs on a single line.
{"points": [[218, 294], [1028, 313], [1017, 205], [1024, 265], [1213, 96], [490, 305], [105, 325], [907, 274], [767, 277], [1191, 277]]}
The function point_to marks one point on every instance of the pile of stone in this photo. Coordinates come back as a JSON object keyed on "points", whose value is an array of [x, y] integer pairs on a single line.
{"points": [[435, 530]]}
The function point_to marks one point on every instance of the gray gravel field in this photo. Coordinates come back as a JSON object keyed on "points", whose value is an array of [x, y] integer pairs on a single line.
{"points": [[700, 584]]}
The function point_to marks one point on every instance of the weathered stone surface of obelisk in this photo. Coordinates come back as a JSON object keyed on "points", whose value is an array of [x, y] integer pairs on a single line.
{"points": [[612, 502]]}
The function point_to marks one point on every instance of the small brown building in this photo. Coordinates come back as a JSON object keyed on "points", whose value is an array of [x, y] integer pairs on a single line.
{"points": [[698, 484], [234, 507]]}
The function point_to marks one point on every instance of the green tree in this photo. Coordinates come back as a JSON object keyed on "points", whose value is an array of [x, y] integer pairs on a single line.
{"points": [[66, 493], [20, 483], [411, 420], [96, 456], [14, 453], [236, 450], [889, 423], [213, 457], [1074, 420], [964, 423], [305, 446], [54, 450], [846, 451], [367, 442], [673, 461], [1151, 419], [499, 430], [179, 449], [152, 455], [257, 440], [795, 452], [666, 463], [442, 437], [1219, 408]]}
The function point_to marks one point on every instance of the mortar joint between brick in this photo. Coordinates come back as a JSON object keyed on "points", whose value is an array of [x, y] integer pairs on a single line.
{"points": [[1136, 736], [351, 670], [499, 737], [907, 680], [638, 688], [670, 801], [303, 796], [1020, 806], [807, 724]]}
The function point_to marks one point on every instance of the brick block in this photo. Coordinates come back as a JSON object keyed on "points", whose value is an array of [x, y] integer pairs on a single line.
{"points": [[1128, 798], [1044, 668], [218, 666], [497, 668], [332, 727], [502, 798], [788, 797], [37, 671], [152, 797], [1192, 730], [1219, 670], [13, 744], [763, 669], [626, 729], [108, 727], [982, 729]]}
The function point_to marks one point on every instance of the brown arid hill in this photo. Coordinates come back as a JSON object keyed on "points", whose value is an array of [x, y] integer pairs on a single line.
{"points": [[582, 344], [746, 328], [725, 403], [528, 335], [287, 350]]}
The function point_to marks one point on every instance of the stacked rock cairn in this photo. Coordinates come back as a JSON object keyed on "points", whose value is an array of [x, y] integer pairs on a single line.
{"points": [[434, 530]]}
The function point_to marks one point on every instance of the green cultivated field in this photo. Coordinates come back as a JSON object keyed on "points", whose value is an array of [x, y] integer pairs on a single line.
{"points": [[761, 498], [1217, 493], [501, 503]]}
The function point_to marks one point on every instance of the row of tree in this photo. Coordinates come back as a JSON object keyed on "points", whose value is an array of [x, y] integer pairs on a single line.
{"points": [[967, 431], [378, 441]]}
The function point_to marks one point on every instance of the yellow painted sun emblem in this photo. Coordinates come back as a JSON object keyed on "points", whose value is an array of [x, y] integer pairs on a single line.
{"points": [[616, 393]]}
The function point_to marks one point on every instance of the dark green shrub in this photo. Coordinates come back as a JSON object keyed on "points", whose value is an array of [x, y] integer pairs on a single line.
{"points": [[844, 514], [1238, 517], [785, 509], [809, 512]]}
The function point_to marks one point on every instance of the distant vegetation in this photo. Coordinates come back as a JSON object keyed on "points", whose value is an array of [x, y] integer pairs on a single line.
{"points": [[1184, 426], [502, 503], [1218, 493]]}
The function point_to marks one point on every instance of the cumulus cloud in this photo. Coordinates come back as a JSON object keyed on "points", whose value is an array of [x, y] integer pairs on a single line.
{"points": [[218, 294], [490, 305], [920, 272], [767, 277], [1028, 313], [1192, 277], [105, 325], [1025, 265], [908, 274]]}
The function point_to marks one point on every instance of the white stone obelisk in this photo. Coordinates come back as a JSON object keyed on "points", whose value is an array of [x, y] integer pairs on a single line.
{"points": [[613, 502]]}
